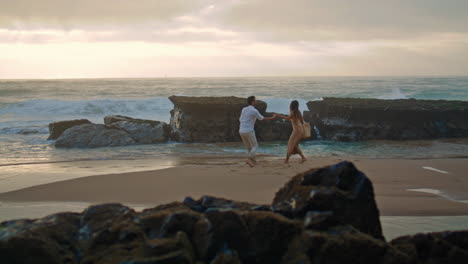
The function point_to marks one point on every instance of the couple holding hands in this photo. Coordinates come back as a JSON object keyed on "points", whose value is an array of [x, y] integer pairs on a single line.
{"points": [[249, 116]]}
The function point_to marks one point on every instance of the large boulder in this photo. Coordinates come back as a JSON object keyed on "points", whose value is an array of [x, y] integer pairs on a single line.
{"points": [[216, 119], [51, 239], [57, 128], [92, 136], [441, 247], [141, 130], [351, 119], [338, 194]]}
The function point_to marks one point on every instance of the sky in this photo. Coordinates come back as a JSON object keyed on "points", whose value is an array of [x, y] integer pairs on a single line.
{"points": [[201, 38]]}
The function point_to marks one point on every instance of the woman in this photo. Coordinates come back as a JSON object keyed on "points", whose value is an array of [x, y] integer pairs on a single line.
{"points": [[298, 130]]}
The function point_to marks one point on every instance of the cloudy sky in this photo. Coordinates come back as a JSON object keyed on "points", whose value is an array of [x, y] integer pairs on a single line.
{"points": [[154, 38]]}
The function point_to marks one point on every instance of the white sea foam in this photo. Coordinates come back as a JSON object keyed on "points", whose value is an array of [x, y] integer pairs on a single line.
{"points": [[281, 105], [434, 169], [47, 109], [437, 192], [396, 94]]}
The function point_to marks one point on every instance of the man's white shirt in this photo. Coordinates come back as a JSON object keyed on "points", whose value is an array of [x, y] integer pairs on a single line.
{"points": [[247, 119]]}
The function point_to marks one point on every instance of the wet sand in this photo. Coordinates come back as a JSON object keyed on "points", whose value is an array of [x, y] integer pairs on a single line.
{"points": [[232, 178]]}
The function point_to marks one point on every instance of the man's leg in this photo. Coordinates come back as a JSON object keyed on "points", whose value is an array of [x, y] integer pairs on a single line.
{"points": [[247, 142], [254, 144]]}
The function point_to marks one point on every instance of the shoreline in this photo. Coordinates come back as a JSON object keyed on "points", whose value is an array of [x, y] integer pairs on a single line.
{"points": [[230, 178]]}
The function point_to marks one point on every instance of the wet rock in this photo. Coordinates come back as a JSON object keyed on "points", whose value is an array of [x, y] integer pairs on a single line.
{"points": [[270, 235], [92, 136], [228, 256], [216, 119], [229, 230], [442, 247], [352, 119], [340, 189], [341, 245], [210, 203], [143, 133], [47, 240], [56, 129], [109, 233], [141, 130]]}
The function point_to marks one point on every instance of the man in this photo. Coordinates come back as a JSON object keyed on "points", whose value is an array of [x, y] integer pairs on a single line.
{"points": [[247, 120]]}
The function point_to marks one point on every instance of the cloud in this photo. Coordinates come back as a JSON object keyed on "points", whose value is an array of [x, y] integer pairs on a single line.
{"points": [[261, 20], [233, 37], [343, 19], [79, 14]]}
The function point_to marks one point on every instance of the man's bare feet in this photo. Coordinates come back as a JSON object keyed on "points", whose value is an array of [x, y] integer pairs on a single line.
{"points": [[254, 161], [249, 161], [303, 160]]}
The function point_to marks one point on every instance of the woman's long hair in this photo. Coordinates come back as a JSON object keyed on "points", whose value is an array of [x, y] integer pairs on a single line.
{"points": [[294, 111]]}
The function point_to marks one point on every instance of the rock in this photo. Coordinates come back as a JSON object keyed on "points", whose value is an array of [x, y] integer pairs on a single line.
{"points": [[228, 256], [216, 119], [342, 245], [269, 235], [351, 119], [210, 203], [47, 240], [92, 136], [141, 130], [143, 133], [56, 129], [338, 193], [271, 130], [442, 247]]}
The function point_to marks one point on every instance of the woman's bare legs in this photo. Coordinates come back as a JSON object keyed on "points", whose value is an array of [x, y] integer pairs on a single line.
{"points": [[299, 151]]}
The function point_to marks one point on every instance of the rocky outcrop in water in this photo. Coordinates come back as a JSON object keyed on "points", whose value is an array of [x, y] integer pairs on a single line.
{"points": [[140, 130], [93, 136], [352, 119], [211, 230], [117, 131], [56, 129], [216, 119]]}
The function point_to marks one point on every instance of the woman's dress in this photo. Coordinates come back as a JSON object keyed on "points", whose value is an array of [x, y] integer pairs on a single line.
{"points": [[296, 136]]}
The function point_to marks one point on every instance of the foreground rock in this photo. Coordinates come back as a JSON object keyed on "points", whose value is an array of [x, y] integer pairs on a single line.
{"points": [[140, 130], [215, 230], [56, 129], [93, 136], [351, 119], [216, 119], [329, 196]]}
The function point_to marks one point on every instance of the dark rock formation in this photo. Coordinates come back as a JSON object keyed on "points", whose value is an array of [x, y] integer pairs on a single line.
{"points": [[140, 130], [338, 194], [57, 128], [220, 231], [117, 131], [442, 247], [92, 136], [216, 119], [351, 119]]}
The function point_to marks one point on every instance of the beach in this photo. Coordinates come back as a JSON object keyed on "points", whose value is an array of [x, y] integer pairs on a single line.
{"points": [[402, 211], [413, 187]]}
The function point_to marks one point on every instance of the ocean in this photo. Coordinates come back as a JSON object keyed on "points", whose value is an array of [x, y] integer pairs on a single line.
{"points": [[28, 106]]}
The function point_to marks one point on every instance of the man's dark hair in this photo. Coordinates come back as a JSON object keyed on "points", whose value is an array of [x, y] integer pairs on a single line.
{"points": [[250, 100]]}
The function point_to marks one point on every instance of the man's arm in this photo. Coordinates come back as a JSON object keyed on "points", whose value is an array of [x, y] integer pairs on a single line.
{"points": [[269, 118]]}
